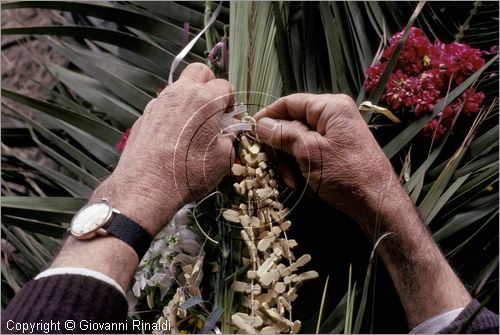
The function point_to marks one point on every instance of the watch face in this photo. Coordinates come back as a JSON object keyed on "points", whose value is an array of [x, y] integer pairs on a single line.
{"points": [[89, 219]]}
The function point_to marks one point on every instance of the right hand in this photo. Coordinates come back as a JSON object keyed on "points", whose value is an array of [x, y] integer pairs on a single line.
{"points": [[333, 148], [349, 170], [168, 160]]}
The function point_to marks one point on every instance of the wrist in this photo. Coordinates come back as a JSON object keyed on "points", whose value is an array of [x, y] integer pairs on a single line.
{"points": [[140, 201], [382, 201], [109, 256]]}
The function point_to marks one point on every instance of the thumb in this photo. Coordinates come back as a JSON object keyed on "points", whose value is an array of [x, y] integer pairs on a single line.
{"points": [[226, 153], [287, 136]]}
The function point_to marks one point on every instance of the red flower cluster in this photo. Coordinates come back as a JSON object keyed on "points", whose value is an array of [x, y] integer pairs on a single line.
{"points": [[123, 140], [421, 77]]}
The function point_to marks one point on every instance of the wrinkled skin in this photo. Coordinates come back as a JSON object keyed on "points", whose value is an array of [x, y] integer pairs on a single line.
{"points": [[174, 154], [176, 141], [331, 145]]}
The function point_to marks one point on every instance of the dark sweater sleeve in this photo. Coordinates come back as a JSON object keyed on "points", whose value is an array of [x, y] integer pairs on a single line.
{"points": [[474, 319], [56, 299]]}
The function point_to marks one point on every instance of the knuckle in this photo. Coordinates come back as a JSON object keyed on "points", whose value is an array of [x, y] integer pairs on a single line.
{"points": [[346, 102], [150, 106], [290, 133], [220, 90], [199, 67], [343, 104], [296, 125], [293, 135], [137, 123], [223, 85], [200, 94]]}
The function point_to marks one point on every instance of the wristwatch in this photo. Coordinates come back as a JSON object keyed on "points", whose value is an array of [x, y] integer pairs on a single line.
{"points": [[100, 219]]}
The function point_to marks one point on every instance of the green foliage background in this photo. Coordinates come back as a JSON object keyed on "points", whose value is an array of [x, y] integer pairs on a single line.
{"points": [[274, 48]]}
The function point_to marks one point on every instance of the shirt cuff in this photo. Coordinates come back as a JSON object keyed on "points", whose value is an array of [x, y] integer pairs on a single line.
{"points": [[436, 323], [82, 272]]}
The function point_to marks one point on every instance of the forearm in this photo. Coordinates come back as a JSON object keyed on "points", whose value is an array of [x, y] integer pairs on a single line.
{"points": [[109, 255], [425, 282]]}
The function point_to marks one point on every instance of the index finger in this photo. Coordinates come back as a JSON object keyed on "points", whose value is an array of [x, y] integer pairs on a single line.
{"points": [[291, 107], [304, 107], [314, 111], [197, 73]]}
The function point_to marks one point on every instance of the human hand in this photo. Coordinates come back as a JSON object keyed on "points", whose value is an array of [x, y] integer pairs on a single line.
{"points": [[347, 168], [170, 148], [333, 147]]}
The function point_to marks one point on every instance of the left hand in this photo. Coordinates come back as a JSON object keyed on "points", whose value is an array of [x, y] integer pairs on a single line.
{"points": [[175, 153]]}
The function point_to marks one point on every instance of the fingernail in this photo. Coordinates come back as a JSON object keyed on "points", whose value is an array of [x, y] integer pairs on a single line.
{"points": [[265, 127]]}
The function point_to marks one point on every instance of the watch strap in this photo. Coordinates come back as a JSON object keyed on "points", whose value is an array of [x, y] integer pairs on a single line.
{"points": [[130, 232]]}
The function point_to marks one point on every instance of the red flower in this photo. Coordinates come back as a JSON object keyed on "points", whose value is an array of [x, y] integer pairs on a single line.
{"points": [[422, 76], [428, 91], [460, 61], [123, 140], [412, 57], [373, 75], [472, 101], [400, 90], [433, 129]]}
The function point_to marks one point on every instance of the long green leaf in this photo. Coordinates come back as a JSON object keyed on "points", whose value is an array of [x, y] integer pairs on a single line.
{"points": [[480, 146], [283, 50], [34, 226], [96, 94], [97, 170], [437, 188], [79, 172], [177, 11], [101, 150], [478, 183], [89, 124], [350, 56], [33, 260], [483, 142], [159, 69], [477, 165], [493, 218], [464, 220], [124, 16], [445, 197], [122, 69], [65, 204], [337, 66], [334, 323], [121, 88], [419, 175], [253, 67], [212, 320], [446, 175], [484, 275], [74, 187], [123, 40]]}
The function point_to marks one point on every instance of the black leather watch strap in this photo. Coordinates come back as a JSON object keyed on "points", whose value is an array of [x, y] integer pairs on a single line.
{"points": [[131, 233]]}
